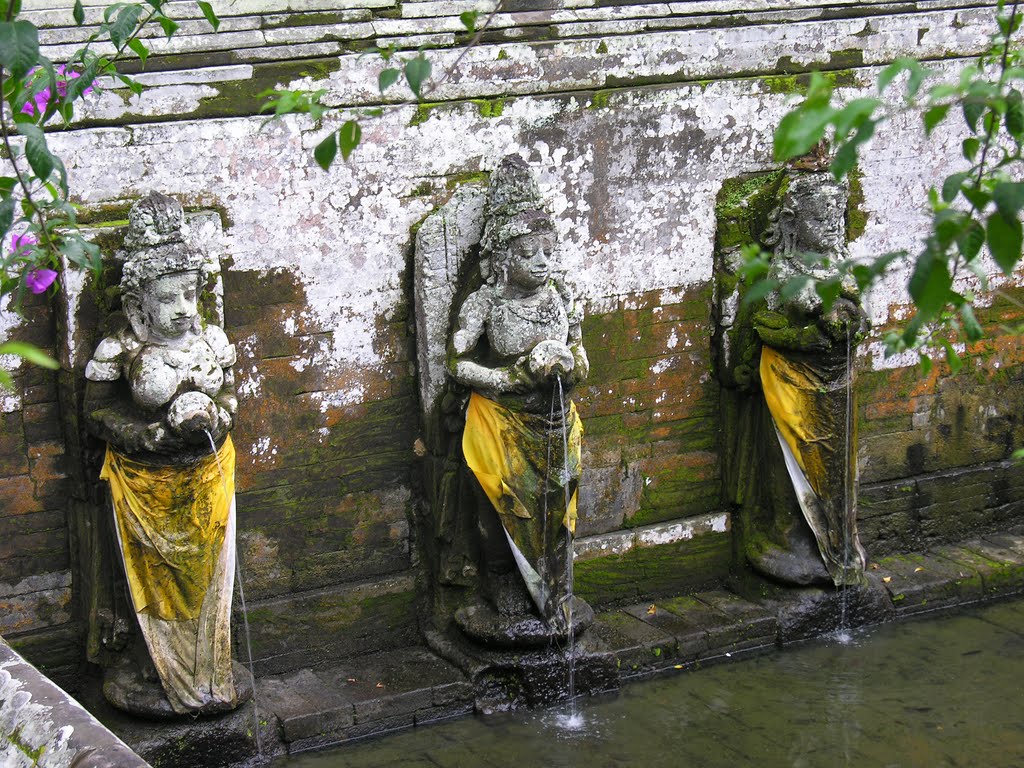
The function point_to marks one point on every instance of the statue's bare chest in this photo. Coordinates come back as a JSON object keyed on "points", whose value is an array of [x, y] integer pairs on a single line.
{"points": [[516, 326]]}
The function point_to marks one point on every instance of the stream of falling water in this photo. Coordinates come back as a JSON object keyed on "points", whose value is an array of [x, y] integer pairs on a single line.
{"points": [[575, 719], [843, 634], [245, 613]]}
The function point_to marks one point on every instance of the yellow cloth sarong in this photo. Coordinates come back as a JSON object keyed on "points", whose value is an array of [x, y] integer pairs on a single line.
{"points": [[525, 465], [812, 411], [171, 522]]}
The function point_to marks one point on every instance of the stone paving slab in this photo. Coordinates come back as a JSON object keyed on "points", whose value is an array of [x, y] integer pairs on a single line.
{"points": [[638, 645], [919, 583]]}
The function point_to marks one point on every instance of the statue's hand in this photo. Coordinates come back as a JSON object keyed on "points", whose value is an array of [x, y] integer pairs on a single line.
{"points": [[845, 318], [193, 416], [551, 358], [520, 376], [153, 438]]}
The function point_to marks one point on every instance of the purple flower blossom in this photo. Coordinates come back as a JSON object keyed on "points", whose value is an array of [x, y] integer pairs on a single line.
{"points": [[22, 245], [41, 100], [38, 280]]}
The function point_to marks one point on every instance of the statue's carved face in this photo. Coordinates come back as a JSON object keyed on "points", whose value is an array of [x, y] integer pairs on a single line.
{"points": [[531, 259], [170, 305]]}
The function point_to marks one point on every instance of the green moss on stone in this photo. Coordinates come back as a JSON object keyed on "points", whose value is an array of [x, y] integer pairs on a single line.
{"points": [[644, 573], [602, 47], [471, 177], [599, 100], [856, 216], [490, 107], [422, 113], [502, 54]]}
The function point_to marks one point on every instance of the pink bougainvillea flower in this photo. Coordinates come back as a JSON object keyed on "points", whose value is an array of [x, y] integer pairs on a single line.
{"points": [[38, 280], [41, 100]]}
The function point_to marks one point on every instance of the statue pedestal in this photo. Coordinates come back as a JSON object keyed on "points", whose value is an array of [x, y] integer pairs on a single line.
{"points": [[483, 624], [514, 663], [130, 690]]}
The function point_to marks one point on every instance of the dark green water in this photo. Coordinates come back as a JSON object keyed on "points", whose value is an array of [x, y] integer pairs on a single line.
{"points": [[933, 692]]}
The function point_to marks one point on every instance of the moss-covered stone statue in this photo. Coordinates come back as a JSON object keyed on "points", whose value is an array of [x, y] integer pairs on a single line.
{"points": [[500, 352], [161, 394], [786, 364]]}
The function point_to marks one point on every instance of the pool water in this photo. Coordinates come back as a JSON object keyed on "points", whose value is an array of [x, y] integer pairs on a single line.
{"points": [[933, 692]]}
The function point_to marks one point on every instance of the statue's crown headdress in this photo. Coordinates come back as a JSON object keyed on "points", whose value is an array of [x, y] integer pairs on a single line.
{"points": [[156, 243], [514, 208]]}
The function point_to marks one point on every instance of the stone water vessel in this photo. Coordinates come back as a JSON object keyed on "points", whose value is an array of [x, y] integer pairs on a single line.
{"points": [[160, 393], [789, 405]]}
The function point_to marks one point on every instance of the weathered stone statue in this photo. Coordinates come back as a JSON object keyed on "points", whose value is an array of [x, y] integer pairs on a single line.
{"points": [[792, 449], [500, 418], [161, 394]]}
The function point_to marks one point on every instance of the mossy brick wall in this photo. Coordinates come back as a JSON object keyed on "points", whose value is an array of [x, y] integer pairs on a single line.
{"points": [[35, 581], [323, 488], [649, 412], [935, 449], [651, 453]]}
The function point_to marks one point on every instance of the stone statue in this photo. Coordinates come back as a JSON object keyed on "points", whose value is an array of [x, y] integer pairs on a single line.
{"points": [[161, 394], [516, 345], [799, 430]]}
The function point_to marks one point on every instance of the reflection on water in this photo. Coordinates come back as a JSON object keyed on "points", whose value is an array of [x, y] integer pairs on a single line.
{"points": [[938, 692]]}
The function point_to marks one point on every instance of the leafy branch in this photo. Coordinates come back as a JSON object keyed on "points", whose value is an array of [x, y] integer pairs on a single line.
{"points": [[416, 72]]}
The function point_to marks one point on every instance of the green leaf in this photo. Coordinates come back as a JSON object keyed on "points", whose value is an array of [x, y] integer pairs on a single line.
{"points": [[793, 286], [930, 284], [349, 137], [140, 49], [934, 116], [417, 70], [19, 47], [955, 363], [829, 291], [1015, 115], [1009, 198], [326, 151], [759, 290], [846, 157], [1004, 241], [170, 26], [30, 353], [970, 240], [970, 147], [892, 71], [800, 130], [973, 111], [79, 13], [853, 115], [125, 24], [211, 17], [6, 215], [36, 151], [387, 78], [978, 198], [972, 328], [468, 19], [926, 363], [951, 186]]}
